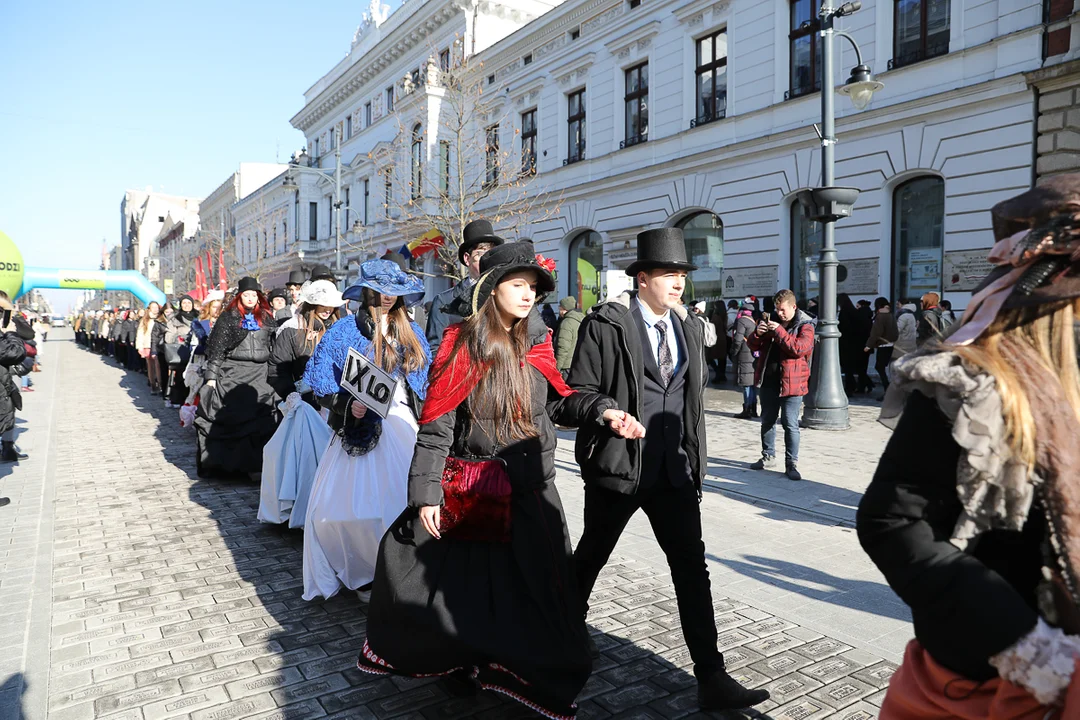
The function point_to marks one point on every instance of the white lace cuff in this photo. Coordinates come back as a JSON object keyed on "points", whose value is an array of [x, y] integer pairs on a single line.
{"points": [[1041, 662]]}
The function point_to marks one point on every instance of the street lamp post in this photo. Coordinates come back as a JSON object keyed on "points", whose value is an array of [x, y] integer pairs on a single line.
{"points": [[827, 403]]}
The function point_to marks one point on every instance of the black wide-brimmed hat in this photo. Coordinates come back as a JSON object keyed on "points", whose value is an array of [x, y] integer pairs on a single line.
{"points": [[660, 248], [509, 258], [476, 232], [296, 277], [248, 283]]}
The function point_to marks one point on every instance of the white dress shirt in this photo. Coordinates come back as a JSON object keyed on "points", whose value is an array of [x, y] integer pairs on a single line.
{"points": [[653, 334]]}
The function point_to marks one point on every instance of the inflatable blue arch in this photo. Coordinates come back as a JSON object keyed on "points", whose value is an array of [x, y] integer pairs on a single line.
{"points": [[17, 280]]}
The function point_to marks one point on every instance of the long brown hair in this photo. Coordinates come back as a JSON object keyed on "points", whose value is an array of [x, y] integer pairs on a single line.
{"points": [[144, 322], [503, 396], [400, 346], [207, 308], [1048, 332], [310, 321]]}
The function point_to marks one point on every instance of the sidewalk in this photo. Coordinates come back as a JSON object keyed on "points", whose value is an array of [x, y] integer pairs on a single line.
{"points": [[139, 592]]}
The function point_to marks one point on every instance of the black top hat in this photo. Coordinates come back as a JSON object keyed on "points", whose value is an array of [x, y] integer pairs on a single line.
{"points": [[660, 248], [248, 283], [476, 232], [509, 258], [277, 293], [296, 277], [322, 272]]}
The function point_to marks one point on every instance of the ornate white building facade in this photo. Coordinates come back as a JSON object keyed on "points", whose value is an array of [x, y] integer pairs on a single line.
{"points": [[699, 114]]}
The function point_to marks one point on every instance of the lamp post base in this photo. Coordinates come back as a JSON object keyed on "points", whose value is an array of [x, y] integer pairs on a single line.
{"points": [[826, 418]]}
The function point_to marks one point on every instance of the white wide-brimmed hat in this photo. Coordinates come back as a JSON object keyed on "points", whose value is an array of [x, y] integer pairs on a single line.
{"points": [[216, 294], [321, 292]]}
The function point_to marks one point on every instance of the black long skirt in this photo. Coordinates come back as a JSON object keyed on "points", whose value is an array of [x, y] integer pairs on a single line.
{"points": [[509, 613], [236, 420]]}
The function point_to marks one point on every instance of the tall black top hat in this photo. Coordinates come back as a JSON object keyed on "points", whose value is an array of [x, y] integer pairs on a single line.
{"points": [[297, 277], [322, 272], [248, 283], [476, 232], [660, 248]]}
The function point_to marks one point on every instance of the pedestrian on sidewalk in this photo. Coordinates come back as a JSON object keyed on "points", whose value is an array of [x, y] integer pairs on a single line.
{"points": [[882, 336], [782, 375], [12, 354], [645, 352], [742, 360], [475, 579], [194, 371], [972, 513], [567, 333], [178, 350], [151, 330], [717, 355], [361, 486], [906, 327], [237, 407], [929, 326], [476, 239], [296, 338]]}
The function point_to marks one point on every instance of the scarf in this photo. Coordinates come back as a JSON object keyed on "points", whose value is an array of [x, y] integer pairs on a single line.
{"points": [[454, 383]]}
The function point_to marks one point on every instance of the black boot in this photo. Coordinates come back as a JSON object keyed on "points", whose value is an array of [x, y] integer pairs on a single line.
{"points": [[10, 454], [720, 691], [4, 501]]}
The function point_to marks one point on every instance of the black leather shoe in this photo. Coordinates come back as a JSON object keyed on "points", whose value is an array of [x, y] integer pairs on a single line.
{"points": [[4, 501], [744, 415], [460, 684], [10, 454], [719, 691]]}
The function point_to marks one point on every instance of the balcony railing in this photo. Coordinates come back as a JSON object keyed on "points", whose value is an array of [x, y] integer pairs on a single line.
{"points": [[800, 91], [634, 140], [931, 51], [708, 118], [571, 160]]}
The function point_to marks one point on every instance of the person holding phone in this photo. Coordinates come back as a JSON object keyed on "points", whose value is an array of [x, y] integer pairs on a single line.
{"points": [[782, 376]]}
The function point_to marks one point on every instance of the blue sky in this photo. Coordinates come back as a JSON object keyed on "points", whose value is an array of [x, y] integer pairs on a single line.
{"points": [[97, 98]]}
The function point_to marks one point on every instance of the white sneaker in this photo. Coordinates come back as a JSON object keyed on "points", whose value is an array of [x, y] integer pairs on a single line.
{"points": [[364, 595]]}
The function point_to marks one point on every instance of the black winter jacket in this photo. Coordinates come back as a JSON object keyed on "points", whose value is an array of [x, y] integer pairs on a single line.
{"points": [[230, 341], [742, 357], [609, 360], [12, 353], [445, 311], [966, 605], [288, 358], [530, 463]]}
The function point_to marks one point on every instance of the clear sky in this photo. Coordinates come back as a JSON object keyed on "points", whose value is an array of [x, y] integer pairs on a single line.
{"points": [[100, 97]]}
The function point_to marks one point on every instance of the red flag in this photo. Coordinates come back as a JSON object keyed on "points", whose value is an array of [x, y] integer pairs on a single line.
{"points": [[200, 280], [223, 280], [209, 269]]}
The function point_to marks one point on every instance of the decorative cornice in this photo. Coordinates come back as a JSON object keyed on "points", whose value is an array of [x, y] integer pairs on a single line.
{"points": [[574, 66], [639, 34]]}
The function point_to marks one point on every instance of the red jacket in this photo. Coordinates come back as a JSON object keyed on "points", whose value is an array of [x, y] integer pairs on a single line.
{"points": [[795, 347]]}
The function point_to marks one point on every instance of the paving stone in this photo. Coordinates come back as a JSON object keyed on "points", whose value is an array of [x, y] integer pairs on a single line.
{"points": [[263, 683]]}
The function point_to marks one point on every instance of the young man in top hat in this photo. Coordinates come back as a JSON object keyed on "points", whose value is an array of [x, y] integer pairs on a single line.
{"points": [[642, 350], [476, 239], [293, 285]]}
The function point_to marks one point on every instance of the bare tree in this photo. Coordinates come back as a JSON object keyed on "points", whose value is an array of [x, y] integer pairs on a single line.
{"points": [[473, 169]]}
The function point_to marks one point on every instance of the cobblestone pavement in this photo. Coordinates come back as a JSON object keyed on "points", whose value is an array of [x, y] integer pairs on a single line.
{"points": [[132, 590]]}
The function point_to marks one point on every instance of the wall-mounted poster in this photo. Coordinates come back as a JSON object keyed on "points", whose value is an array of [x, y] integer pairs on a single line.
{"points": [[759, 281], [860, 277], [924, 271], [965, 269]]}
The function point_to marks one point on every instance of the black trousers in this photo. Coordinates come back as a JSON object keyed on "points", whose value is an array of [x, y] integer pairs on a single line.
{"points": [[675, 516], [881, 364]]}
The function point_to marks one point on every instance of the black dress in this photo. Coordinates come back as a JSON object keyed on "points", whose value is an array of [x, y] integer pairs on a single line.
{"points": [[510, 613], [239, 414]]}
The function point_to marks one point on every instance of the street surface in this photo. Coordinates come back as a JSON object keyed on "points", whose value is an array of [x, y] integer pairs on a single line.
{"points": [[131, 590]]}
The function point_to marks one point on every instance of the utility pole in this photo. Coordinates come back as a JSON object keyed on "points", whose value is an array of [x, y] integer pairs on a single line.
{"points": [[337, 202]]}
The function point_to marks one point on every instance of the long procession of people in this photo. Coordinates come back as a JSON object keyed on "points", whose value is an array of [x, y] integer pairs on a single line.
{"points": [[418, 460]]}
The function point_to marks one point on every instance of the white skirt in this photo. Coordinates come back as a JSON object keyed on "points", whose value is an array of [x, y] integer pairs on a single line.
{"points": [[353, 502], [290, 461]]}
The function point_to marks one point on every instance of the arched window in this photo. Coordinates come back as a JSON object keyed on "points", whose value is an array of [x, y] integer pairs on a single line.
{"points": [[805, 253], [417, 160], [918, 237], [704, 236], [586, 261]]}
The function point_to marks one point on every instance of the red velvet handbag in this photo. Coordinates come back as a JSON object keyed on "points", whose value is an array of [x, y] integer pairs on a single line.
{"points": [[476, 500]]}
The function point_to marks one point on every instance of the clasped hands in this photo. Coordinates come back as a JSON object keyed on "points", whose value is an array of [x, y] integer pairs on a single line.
{"points": [[766, 327], [624, 424]]}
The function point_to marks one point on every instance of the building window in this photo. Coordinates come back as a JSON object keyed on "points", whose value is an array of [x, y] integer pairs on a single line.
{"points": [[711, 78], [637, 105], [703, 234], [491, 79], [528, 142], [347, 225], [266, 245], [330, 214], [635, 4], [313, 221], [415, 77], [575, 125], [317, 153], [805, 51], [444, 167], [389, 189], [333, 138], [575, 33], [348, 128], [491, 156], [367, 114], [586, 262], [390, 99], [918, 237], [920, 31], [417, 161], [527, 60], [367, 200], [805, 252], [444, 60]]}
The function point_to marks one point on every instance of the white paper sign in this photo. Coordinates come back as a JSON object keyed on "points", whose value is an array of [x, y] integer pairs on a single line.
{"points": [[368, 383]]}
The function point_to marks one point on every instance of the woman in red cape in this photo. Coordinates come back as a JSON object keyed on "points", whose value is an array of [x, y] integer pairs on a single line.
{"points": [[499, 613]]}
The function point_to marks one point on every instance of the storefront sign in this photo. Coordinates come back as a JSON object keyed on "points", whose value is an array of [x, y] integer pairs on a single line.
{"points": [[368, 383], [860, 277], [621, 258], [759, 281], [965, 269]]}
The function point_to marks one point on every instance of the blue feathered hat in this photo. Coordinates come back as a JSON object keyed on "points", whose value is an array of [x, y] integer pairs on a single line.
{"points": [[387, 278]]}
